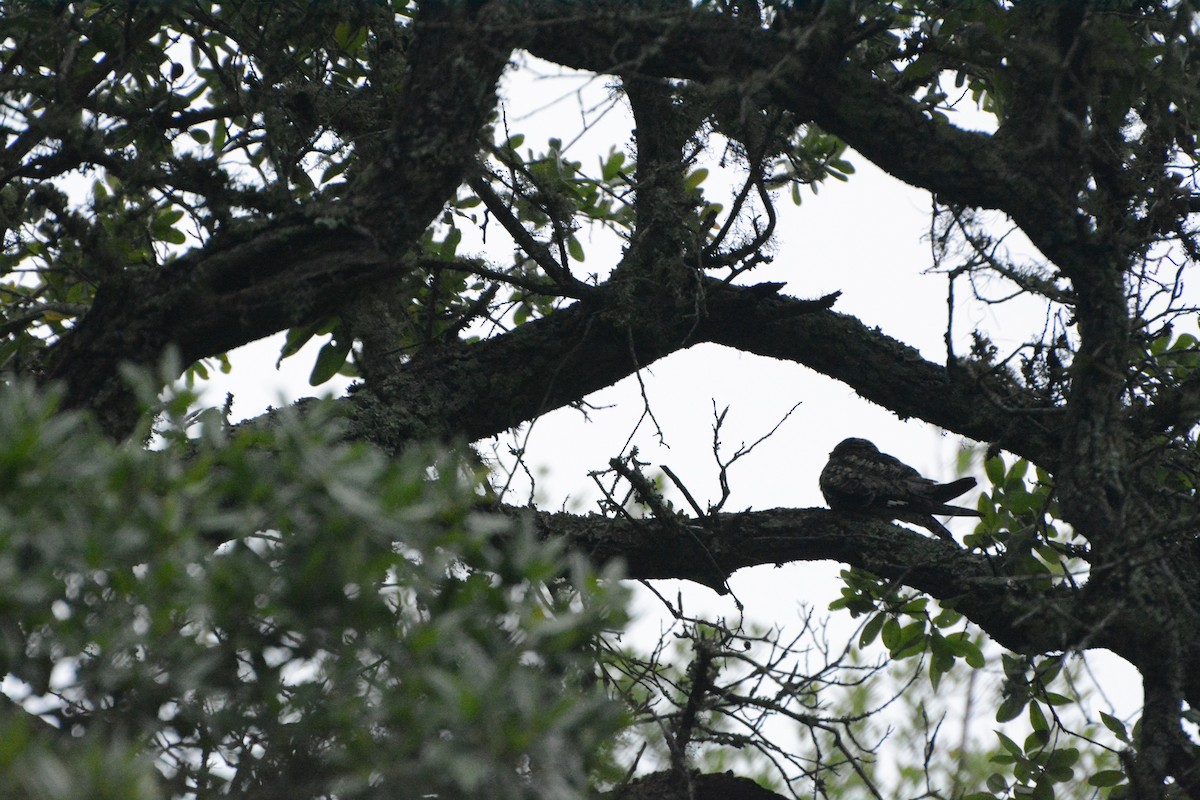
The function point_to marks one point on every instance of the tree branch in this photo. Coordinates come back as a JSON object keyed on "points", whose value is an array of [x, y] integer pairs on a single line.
{"points": [[299, 272], [1020, 615]]}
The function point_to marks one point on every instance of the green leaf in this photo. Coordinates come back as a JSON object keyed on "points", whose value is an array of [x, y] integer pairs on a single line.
{"points": [[349, 37], [331, 358], [1012, 747], [1010, 708], [574, 248], [911, 641], [891, 633], [1115, 725], [334, 169], [947, 617], [1107, 777], [612, 167], [696, 178], [296, 339], [1018, 470], [199, 135], [450, 243], [935, 673], [871, 629], [915, 606], [966, 649], [994, 468], [1063, 758], [1037, 719], [997, 783]]}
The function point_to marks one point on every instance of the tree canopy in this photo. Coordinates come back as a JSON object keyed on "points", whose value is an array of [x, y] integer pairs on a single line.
{"points": [[330, 600]]}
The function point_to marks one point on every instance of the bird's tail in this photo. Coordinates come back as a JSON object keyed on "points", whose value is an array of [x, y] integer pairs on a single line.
{"points": [[948, 491]]}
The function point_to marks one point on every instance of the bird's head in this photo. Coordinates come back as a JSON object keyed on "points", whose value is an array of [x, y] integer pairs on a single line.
{"points": [[854, 446]]}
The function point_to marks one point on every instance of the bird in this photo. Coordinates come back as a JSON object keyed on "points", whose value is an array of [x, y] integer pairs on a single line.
{"points": [[860, 478]]}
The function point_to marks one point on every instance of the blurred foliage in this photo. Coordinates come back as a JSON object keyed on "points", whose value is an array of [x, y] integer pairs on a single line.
{"points": [[281, 614]]}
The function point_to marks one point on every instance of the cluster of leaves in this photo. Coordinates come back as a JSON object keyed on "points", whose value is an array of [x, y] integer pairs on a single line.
{"points": [[278, 609], [1168, 361], [1045, 762], [1019, 522], [924, 632], [1042, 761], [812, 157], [185, 121]]}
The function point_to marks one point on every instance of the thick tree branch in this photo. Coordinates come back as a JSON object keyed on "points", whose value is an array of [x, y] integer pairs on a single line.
{"points": [[470, 391], [811, 76], [1015, 611], [474, 390], [206, 304], [888, 372], [298, 273]]}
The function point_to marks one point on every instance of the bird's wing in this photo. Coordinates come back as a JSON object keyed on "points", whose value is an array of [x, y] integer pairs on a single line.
{"points": [[884, 477]]}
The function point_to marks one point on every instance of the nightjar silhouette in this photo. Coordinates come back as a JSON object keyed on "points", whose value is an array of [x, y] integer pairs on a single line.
{"points": [[860, 478]]}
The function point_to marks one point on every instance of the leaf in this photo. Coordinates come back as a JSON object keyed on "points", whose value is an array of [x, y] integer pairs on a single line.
{"points": [[1107, 777], [1043, 790], [1037, 719], [1063, 758], [1017, 471], [1011, 708], [331, 358], [947, 617], [1012, 747], [915, 606], [334, 169], [1115, 725], [994, 468], [891, 633], [871, 629], [966, 649], [696, 178], [349, 37], [911, 641], [574, 248], [296, 339], [450, 243], [612, 167], [162, 228]]}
